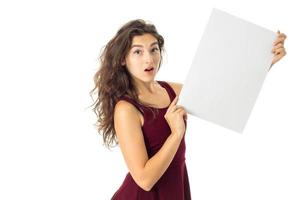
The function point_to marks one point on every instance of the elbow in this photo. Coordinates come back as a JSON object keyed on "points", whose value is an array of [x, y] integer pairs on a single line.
{"points": [[144, 183]]}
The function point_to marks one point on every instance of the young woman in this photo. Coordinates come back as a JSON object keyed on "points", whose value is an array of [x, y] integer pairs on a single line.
{"points": [[141, 115]]}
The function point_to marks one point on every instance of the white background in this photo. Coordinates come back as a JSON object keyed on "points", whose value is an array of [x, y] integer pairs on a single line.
{"points": [[49, 148]]}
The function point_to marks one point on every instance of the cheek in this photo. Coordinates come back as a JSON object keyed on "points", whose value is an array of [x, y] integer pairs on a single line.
{"points": [[157, 59], [133, 65]]}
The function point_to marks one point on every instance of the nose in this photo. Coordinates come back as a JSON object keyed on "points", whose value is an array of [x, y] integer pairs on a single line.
{"points": [[148, 57]]}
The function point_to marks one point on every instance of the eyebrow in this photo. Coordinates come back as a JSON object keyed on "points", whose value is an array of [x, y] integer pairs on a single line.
{"points": [[138, 45]]}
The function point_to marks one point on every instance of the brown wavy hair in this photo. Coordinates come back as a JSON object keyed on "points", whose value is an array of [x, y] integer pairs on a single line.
{"points": [[113, 81]]}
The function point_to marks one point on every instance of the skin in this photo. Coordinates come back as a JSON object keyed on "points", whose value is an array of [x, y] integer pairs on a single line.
{"points": [[128, 121], [278, 48]]}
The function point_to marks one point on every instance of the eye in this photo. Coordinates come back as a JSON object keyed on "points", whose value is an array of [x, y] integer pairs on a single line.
{"points": [[155, 49], [137, 51]]}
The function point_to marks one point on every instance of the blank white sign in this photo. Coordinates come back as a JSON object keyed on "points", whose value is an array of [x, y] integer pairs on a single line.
{"points": [[228, 70]]}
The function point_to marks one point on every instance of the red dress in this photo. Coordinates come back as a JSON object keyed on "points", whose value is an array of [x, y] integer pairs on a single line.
{"points": [[174, 183]]}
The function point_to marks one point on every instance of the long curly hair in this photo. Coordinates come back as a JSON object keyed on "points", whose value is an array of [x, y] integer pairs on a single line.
{"points": [[113, 81]]}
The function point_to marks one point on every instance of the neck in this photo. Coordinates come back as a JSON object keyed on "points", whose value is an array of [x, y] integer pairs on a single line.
{"points": [[144, 88]]}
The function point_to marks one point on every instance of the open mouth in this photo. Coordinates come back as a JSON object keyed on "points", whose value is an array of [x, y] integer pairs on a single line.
{"points": [[150, 69]]}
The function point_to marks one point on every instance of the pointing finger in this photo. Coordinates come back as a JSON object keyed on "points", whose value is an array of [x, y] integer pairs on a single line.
{"points": [[175, 100]]}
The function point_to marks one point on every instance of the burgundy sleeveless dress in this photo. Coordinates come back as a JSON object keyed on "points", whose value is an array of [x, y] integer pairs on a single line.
{"points": [[174, 183]]}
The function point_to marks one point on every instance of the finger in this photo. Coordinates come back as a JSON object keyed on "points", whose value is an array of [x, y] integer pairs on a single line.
{"points": [[280, 45], [278, 32], [181, 111], [177, 107], [175, 100], [279, 50], [185, 114], [185, 117], [281, 34], [176, 110], [278, 40], [278, 57]]}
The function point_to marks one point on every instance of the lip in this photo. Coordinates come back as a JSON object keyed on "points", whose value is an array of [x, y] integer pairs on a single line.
{"points": [[148, 68], [151, 72]]}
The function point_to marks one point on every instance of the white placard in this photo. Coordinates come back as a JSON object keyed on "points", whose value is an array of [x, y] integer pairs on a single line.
{"points": [[228, 70]]}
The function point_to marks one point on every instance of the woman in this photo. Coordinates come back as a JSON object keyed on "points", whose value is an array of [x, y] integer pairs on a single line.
{"points": [[141, 115]]}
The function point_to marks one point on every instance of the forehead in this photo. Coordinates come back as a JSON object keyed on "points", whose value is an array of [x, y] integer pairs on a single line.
{"points": [[145, 40]]}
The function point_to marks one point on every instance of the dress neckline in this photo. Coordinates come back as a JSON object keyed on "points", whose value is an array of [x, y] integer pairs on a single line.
{"points": [[163, 85]]}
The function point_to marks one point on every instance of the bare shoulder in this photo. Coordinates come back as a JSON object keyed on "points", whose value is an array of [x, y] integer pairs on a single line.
{"points": [[123, 106], [176, 87], [124, 109]]}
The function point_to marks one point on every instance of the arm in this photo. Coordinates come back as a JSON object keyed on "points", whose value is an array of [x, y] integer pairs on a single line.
{"points": [[145, 172]]}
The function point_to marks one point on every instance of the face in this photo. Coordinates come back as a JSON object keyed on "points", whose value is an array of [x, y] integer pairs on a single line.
{"points": [[142, 60]]}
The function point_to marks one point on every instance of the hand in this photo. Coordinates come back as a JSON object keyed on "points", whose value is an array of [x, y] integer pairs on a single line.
{"points": [[175, 116], [278, 48]]}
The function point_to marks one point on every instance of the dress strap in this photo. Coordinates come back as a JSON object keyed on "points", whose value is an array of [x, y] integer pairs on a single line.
{"points": [[164, 84], [169, 89], [133, 102]]}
